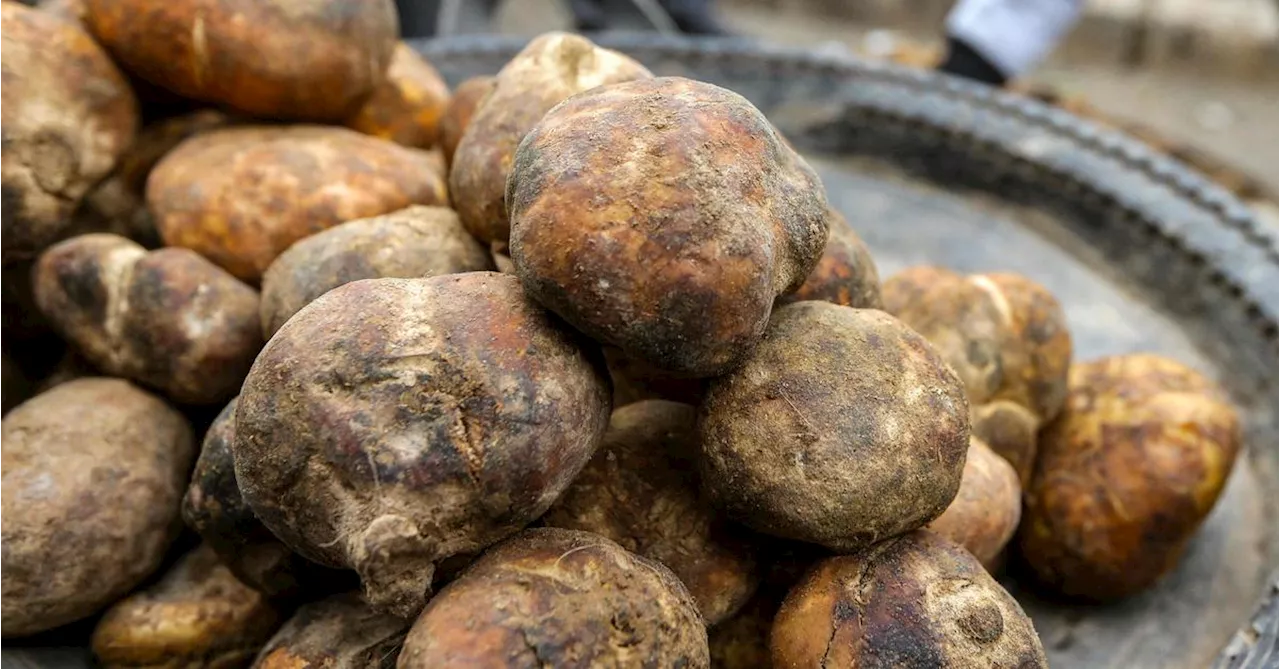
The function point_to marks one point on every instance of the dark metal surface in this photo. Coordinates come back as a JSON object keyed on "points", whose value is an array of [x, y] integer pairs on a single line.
{"points": [[1144, 254]]}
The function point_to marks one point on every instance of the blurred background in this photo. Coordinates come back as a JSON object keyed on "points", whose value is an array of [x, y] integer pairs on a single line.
{"points": [[1195, 79]]}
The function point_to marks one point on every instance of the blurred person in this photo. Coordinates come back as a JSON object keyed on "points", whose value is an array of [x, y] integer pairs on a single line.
{"points": [[993, 41]]}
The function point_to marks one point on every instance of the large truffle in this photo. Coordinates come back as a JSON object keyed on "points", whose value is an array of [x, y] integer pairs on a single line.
{"points": [[664, 216], [68, 115], [550, 597], [168, 319], [241, 196], [410, 243], [843, 428], [548, 70], [914, 601], [289, 59], [641, 490], [393, 423], [1126, 475], [93, 470]]}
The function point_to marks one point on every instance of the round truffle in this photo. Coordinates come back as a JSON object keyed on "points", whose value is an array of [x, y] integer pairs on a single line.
{"points": [[551, 68], [408, 106], [914, 601], [283, 59], [1126, 475], [394, 423], [554, 597], [92, 472], [67, 116], [843, 428], [641, 490], [410, 243], [663, 216], [985, 513], [241, 196]]}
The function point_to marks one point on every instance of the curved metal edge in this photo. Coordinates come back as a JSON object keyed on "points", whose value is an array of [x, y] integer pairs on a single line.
{"points": [[1256, 644], [1125, 186]]}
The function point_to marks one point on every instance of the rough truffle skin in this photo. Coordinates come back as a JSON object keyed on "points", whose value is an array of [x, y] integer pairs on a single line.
{"points": [[551, 68], [641, 490], [282, 59], [410, 243], [92, 474], [844, 428], [408, 106], [241, 196], [168, 319], [67, 116], [1005, 335], [1011, 431], [466, 100], [846, 273], [985, 513], [393, 423], [214, 508], [1126, 475], [197, 617], [664, 216], [340, 632], [914, 601], [550, 597]]}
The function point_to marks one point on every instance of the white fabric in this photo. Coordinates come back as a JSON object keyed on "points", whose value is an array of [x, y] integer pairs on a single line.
{"points": [[1014, 35]]}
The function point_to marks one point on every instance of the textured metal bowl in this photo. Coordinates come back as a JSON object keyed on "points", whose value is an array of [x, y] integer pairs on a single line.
{"points": [[1144, 254]]}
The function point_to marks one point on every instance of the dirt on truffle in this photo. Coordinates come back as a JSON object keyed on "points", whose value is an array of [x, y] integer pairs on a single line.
{"points": [[241, 196], [68, 115], [555, 597], [93, 471], [641, 490], [168, 319], [393, 423], [1126, 475], [844, 428], [916, 601], [197, 617], [312, 60], [664, 216]]}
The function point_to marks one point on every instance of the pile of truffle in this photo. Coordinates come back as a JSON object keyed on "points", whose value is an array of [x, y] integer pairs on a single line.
{"points": [[682, 425]]}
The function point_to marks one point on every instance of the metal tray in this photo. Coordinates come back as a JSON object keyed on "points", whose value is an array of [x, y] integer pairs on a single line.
{"points": [[1144, 254]]}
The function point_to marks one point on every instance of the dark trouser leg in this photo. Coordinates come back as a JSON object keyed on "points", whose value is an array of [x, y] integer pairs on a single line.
{"points": [[422, 18], [588, 15], [963, 61], [696, 17], [417, 17]]}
